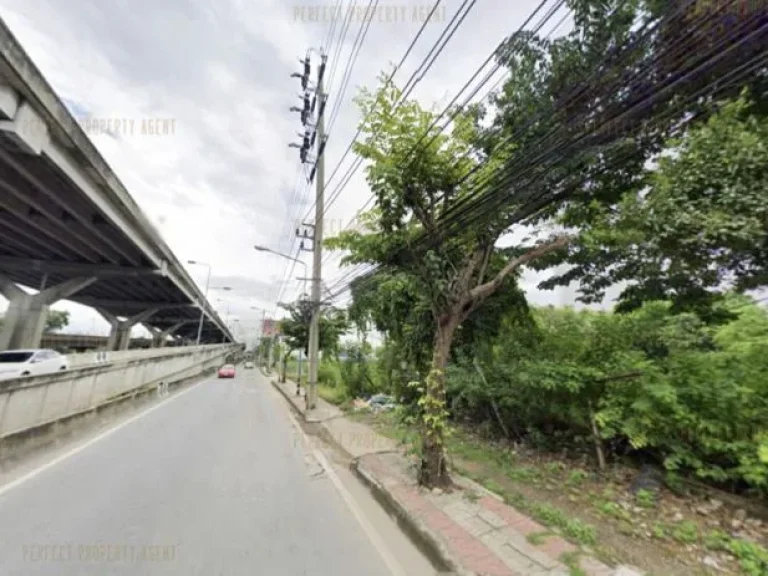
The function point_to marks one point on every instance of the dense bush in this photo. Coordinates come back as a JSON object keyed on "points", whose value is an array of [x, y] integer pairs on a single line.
{"points": [[694, 395], [329, 374], [355, 371]]}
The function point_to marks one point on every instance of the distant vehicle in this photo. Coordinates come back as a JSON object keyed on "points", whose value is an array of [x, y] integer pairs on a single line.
{"points": [[18, 363], [227, 371], [249, 365]]}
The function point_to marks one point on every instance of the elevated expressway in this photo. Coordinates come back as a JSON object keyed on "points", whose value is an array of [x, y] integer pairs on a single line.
{"points": [[70, 230]]}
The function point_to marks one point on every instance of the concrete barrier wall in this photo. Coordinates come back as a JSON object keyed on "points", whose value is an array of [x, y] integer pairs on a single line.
{"points": [[94, 358], [31, 402]]}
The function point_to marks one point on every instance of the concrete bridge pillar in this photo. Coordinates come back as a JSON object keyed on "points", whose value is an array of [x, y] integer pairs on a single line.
{"points": [[155, 332], [160, 337], [120, 334], [24, 322]]}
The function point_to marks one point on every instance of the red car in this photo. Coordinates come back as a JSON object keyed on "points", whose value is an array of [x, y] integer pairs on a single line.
{"points": [[227, 371]]}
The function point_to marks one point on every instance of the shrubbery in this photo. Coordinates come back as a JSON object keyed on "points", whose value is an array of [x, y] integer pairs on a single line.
{"points": [[695, 396]]}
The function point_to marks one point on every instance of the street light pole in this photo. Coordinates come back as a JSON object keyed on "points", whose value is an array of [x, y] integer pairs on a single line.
{"points": [[269, 250], [226, 316], [205, 299], [265, 249]]}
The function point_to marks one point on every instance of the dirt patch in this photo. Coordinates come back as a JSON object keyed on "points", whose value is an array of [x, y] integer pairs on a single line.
{"points": [[662, 533]]}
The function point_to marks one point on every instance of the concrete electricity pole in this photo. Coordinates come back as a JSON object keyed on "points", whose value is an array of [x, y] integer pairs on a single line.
{"points": [[309, 139], [317, 255]]}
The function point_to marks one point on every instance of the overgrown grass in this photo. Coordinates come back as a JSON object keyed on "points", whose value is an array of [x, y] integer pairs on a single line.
{"points": [[752, 557], [503, 461], [334, 395], [538, 538], [686, 532], [490, 461], [613, 510], [645, 499], [571, 560]]}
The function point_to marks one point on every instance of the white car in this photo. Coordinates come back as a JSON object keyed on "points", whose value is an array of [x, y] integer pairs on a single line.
{"points": [[17, 363], [249, 365]]}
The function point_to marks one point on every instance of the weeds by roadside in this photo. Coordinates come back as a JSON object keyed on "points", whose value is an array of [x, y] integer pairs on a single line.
{"points": [[660, 533]]}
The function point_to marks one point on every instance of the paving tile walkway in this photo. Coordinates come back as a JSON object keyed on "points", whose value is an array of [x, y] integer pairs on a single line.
{"points": [[472, 528]]}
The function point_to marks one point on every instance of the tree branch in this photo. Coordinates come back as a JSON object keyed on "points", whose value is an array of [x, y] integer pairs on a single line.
{"points": [[484, 265], [481, 292], [422, 214], [461, 283]]}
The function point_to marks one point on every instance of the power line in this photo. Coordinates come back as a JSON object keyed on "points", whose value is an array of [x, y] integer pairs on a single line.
{"points": [[359, 39], [412, 82], [389, 79], [644, 104], [597, 132], [335, 59], [408, 89], [332, 28]]}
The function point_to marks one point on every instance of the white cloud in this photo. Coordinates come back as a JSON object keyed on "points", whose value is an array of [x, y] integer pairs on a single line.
{"points": [[224, 178]]}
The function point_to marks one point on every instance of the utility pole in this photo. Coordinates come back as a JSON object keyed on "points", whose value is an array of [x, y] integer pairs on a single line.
{"points": [[317, 256], [309, 138]]}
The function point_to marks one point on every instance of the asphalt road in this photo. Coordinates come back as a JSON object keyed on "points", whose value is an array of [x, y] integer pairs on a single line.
{"points": [[214, 481]]}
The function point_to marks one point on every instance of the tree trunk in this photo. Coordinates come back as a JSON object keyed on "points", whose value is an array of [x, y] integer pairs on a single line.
{"points": [[598, 441], [495, 406], [433, 468]]}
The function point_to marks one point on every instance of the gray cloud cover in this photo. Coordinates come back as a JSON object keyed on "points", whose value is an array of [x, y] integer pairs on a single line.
{"points": [[225, 179]]}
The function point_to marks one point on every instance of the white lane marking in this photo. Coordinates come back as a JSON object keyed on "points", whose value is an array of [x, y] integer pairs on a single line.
{"points": [[77, 449], [378, 543]]}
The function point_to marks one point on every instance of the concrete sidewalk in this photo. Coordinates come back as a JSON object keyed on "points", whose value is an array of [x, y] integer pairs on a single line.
{"points": [[466, 531]]}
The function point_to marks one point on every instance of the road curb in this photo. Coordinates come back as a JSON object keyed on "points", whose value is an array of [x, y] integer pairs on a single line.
{"points": [[429, 544], [285, 395], [421, 536], [316, 427]]}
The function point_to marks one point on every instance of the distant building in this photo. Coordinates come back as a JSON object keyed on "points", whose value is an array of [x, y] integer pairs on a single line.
{"points": [[270, 328]]}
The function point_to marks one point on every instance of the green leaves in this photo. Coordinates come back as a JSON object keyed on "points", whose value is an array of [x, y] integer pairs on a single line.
{"points": [[56, 320], [333, 323], [699, 221], [693, 394]]}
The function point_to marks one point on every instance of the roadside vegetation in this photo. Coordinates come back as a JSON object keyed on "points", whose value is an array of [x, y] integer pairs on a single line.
{"points": [[637, 428]]}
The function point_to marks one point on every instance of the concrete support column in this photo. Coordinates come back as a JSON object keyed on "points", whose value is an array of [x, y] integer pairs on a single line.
{"points": [[160, 337], [155, 332], [24, 322], [120, 334]]}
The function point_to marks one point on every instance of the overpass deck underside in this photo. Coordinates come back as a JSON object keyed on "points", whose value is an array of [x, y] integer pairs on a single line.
{"points": [[69, 227]]}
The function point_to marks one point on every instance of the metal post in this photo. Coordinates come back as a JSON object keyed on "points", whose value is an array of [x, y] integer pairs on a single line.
{"points": [[202, 306], [261, 337], [317, 253], [298, 378]]}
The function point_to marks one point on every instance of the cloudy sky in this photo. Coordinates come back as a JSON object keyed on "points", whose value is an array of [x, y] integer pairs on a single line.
{"points": [[214, 76]]}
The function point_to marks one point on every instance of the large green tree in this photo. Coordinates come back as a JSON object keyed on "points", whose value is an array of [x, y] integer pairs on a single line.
{"points": [[55, 320], [697, 224], [450, 276], [572, 132], [295, 328]]}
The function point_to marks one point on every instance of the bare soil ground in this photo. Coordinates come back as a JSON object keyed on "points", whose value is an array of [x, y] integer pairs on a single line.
{"points": [[665, 533]]}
